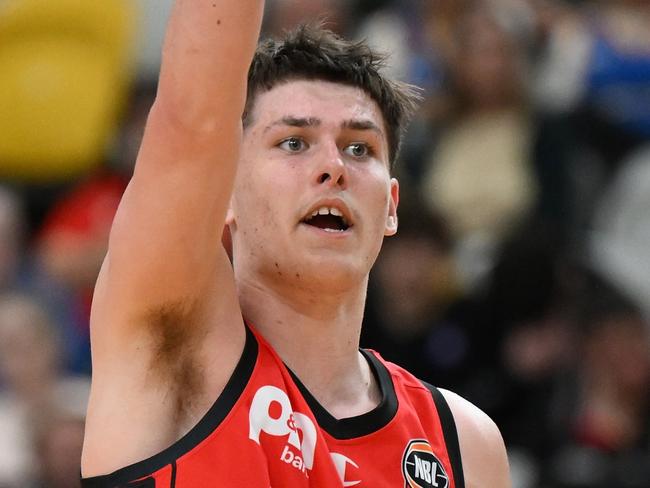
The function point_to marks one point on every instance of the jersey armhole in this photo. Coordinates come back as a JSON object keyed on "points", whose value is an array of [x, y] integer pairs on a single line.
{"points": [[450, 434], [142, 473]]}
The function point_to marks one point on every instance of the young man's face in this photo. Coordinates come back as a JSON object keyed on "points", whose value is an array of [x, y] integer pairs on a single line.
{"points": [[313, 197]]}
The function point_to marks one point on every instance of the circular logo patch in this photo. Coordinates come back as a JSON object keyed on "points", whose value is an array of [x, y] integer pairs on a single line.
{"points": [[421, 468]]}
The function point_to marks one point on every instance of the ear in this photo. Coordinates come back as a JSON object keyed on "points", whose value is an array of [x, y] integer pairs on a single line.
{"points": [[226, 236], [391, 218], [230, 213], [226, 241]]}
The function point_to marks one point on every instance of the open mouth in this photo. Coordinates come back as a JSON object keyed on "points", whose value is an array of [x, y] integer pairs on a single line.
{"points": [[327, 218]]}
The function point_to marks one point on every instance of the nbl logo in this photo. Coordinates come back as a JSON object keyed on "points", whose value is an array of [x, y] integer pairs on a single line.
{"points": [[421, 468]]}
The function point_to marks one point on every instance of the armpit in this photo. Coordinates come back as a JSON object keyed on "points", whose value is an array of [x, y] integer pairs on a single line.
{"points": [[178, 333]]}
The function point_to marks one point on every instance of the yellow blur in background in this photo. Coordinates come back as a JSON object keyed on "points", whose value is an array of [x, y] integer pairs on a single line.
{"points": [[66, 67]]}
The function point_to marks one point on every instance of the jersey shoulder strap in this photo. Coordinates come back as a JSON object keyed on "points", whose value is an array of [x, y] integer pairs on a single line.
{"points": [[449, 432]]}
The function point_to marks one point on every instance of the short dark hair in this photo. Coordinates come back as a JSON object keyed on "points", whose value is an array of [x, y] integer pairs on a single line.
{"points": [[312, 52]]}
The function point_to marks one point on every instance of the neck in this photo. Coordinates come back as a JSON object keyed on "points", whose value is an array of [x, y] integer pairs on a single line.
{"points": [[317, 336]]}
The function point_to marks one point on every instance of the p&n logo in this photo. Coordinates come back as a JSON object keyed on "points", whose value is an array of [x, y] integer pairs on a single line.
{"points": [[286, 423], [271, 412]]}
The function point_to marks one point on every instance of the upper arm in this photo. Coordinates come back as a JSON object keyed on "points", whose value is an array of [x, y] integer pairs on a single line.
{"points": [[164, 246], [485, 462]]}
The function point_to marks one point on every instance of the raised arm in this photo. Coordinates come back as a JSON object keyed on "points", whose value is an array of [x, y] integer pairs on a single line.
{"points": [[164, 251], [166, 286]]}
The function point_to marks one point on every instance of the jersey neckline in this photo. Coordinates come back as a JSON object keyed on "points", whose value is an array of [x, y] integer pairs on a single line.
{"points": [[359, 425]]}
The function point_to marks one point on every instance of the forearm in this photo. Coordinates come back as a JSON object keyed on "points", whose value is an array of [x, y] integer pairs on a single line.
{"points": [[206, 55], [164, 240]]}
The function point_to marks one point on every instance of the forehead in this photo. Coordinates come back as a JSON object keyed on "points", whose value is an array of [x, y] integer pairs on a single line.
{"points": [[332, 103]]}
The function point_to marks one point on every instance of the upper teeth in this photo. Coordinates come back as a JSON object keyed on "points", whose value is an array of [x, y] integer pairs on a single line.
{"points": [[327, 211]]}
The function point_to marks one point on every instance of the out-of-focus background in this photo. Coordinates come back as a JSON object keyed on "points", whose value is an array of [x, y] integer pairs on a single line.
{"points": [[521, 274]]}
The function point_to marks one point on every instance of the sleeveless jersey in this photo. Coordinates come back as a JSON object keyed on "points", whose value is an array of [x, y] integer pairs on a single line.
{"points": [[266, 430]]}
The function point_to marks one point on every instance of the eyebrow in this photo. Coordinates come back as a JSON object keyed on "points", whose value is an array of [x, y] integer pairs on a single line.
{"points": [[363, 124], [292, 121], [301, 122]]}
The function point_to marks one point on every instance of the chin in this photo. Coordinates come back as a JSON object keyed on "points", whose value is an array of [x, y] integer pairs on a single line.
{"points": [[329, 273]]}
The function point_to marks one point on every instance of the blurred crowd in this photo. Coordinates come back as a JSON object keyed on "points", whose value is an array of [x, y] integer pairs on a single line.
{"points": [[520, 276]]}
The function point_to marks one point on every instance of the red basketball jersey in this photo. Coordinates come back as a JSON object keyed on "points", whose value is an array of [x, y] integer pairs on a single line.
{"points": [[266, 430]]}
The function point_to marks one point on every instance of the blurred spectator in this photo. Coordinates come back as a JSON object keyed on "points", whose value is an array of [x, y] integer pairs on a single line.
{"points": [[31, 384], [29, 362], [59, 445], [599, 422], [417, 35], [620, 239], [71, 247], [522, 337], [564, 44], [481, 176], [598, 65], [59, 438], [577, 384], [74, 238]]}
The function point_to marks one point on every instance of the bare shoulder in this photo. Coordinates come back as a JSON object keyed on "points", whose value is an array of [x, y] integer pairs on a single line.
{"points": [[485, 462]]}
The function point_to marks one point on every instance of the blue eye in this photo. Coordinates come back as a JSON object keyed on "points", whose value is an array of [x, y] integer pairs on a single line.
{"points": [[293, 145], [357, 150]]}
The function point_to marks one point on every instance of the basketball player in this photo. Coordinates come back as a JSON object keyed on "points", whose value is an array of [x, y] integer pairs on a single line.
{"points": [[208, 374]]}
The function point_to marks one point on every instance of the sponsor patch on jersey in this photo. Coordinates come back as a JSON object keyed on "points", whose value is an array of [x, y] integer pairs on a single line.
{"points": [[421, 468], [271, 413]]}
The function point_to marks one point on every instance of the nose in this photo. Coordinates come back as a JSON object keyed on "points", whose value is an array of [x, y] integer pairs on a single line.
{"points": [[331, 169]]}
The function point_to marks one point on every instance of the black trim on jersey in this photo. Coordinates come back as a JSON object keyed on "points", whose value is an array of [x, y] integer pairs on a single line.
{"points": [[172, 484], [364, 424], [145, 483], [450, 434], [210, 421]]}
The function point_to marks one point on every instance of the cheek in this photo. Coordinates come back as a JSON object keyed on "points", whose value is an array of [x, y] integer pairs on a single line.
{"points": [[377, 195], [259, 200], [247, 201]]}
